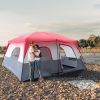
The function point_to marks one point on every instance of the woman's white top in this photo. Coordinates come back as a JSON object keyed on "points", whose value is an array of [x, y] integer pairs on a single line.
{"points": [[31, 56], [31, 52]]}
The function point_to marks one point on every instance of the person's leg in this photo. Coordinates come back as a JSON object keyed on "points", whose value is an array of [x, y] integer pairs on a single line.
{"points": [[32, 70], [35, 66], [39, 72]]}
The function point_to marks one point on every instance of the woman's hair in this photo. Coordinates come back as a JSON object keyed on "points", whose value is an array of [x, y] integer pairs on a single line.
{"points": [[37, 46]]}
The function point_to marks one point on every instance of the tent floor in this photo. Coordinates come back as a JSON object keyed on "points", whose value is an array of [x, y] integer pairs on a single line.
{"points": [[61, 75]]}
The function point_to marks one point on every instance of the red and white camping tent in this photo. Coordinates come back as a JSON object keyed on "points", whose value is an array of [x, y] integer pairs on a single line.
{"points": [[59, 54]]}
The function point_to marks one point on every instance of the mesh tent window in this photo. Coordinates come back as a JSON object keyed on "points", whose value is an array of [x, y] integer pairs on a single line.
{"points": [[69, 52], [45, 53], [15, 53]]}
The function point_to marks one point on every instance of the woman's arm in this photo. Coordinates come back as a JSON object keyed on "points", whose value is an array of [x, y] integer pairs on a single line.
{"points": [[37, 53]]}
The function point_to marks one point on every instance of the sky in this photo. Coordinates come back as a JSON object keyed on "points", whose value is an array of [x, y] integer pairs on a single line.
{"points": [[73, 18]]}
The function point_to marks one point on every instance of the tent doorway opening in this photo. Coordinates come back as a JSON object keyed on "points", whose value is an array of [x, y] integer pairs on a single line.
{"points": [[68, 57], [45, 53]]}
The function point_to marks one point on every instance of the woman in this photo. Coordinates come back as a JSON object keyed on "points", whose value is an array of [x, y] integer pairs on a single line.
{"points": [[37, 54], [31, 59], [34, 60]]}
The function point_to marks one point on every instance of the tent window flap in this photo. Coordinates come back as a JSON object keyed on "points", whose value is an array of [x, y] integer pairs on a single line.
{"points": [[15, 53]]}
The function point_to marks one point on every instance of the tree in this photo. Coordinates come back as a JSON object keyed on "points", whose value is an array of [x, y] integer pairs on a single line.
{"points": [[92, 41], [97, 39], [2, 49], [83, 43], [88, 43], [92, 44]]}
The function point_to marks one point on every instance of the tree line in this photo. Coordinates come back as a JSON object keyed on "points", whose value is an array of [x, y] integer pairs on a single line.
{"points": [[2, 49], [92, 41]]}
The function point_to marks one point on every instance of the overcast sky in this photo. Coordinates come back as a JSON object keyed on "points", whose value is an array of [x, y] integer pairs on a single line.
{"points": [[73, 18]]}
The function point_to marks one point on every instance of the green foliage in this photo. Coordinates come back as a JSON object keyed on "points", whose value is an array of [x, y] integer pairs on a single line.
{"points": [[92, 44], [92, 41], [2, 49], [83, 43], [97, 41]]}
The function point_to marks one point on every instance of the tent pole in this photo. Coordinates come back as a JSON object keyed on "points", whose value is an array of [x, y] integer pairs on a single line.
{"points": [[58, 55]]}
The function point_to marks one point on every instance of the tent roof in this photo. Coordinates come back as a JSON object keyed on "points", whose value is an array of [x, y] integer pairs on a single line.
{"points": [[42, 37]]}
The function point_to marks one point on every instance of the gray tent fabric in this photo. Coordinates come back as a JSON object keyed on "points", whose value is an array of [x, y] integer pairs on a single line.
{"points": [[14, 66]]}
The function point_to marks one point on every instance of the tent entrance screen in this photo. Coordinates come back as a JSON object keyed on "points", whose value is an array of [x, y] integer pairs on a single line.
{"points": [[68, 57], [45, 53]]}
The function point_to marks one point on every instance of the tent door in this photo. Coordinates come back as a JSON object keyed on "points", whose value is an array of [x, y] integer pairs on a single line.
{"points": [[68, 57]]}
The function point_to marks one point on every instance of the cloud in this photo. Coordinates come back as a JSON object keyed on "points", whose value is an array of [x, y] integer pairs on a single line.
{"points": [[69, 28], [72, 30], [97, 6]]}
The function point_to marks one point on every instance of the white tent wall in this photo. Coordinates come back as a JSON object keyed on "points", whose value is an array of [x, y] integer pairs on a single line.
{"points": [[69, 51], [11, 62], [53, 49], [51, 46], [74, 49], [47, 66], [77, 52], [12, 47]]}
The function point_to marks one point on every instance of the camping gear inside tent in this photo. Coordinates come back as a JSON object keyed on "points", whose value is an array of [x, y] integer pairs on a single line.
{"points": [[59, 54]]}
